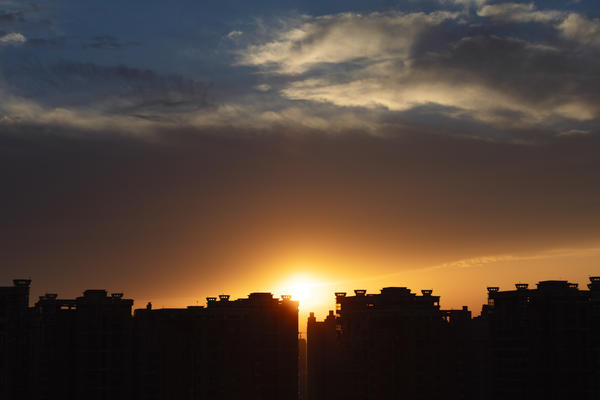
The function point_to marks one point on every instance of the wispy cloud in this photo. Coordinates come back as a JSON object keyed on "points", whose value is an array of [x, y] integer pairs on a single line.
{"points": [[542, 255], [520, 13], [12, 39]]}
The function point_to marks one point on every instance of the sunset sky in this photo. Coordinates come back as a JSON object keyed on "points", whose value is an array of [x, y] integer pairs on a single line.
{"points": [[178, 150]]}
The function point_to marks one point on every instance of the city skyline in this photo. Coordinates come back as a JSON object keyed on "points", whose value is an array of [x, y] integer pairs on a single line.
{"points": [[530, 342], [301, 294]]}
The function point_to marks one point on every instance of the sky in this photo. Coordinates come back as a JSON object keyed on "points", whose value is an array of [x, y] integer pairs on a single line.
{"points": [[174, 151]]}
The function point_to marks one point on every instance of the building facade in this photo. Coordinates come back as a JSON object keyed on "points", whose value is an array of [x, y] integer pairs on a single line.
{"points": [[543, 342], [14, 340], [394, 344], [82, 348], [245, 348]]}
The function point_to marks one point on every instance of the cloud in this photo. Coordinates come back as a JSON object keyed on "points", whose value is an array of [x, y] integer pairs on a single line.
{"points": [[12, 39], [234, 34], [519, 13], [581, 29], [219, 196], [341, 38], [400, 62], [109, 89], [476, 3], [571, 26], [503, 258]]}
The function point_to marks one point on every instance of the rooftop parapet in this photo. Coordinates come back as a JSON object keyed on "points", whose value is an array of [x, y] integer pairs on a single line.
{"points": [[521, 286], [95, 293], [22, 282]]}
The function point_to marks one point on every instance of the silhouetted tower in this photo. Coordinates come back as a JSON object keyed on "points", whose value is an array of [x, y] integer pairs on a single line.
{"points": [[14, 340], [323, 358], [82, 347], [388, 345], [302, 375]]}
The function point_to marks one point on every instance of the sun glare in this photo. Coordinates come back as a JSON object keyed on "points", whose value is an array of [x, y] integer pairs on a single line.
{"points": [[301, 291], [313, 292], [302, 288]]}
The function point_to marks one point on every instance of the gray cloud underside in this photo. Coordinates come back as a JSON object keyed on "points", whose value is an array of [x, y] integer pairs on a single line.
{"points": [[217, 196]]}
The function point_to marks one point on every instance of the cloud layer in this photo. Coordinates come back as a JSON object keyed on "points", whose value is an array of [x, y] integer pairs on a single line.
{"points": [[404, 61], [488, 69]]}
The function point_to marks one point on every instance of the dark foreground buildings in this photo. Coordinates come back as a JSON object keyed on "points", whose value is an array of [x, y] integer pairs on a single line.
{"points": [[541, 343], [14, 339], [395, 344], [242, 349], [93, 348], [81, 348], [528, 343]]}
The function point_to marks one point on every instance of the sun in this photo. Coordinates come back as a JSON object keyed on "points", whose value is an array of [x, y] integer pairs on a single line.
{"points": [[312, 292], [301, 291], [300, 287]]}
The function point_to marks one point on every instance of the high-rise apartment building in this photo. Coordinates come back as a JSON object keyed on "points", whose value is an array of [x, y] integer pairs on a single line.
{"points": [[245, 348], [14, 340], [543, 342], [392, 344], [82, 348]]}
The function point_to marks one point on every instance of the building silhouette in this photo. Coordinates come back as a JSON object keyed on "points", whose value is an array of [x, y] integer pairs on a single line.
{"points": [[528, 343], [387, 345], [302, 372], [543, 342], [14, 340], [82, 348], [246, 348], [323, 358]]}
